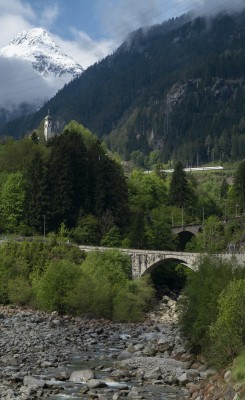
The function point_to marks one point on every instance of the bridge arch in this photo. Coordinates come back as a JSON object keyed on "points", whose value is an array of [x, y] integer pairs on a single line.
{"points": [[161, 262], [146, 260], [194, 229]]}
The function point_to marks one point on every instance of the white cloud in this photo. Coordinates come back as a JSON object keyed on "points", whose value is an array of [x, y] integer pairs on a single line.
{"points": [[20, 83], [84, 50], [16, 7], [11, 25], [126, 15], [49, 15]]}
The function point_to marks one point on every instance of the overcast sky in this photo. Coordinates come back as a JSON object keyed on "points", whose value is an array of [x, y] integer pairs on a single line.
{"points": [[90, 29], [86, 30]]}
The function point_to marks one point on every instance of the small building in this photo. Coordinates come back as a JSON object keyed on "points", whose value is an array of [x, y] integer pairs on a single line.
{"points": [[48, 127]]}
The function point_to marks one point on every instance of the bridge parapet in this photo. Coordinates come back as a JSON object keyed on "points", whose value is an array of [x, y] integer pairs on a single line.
{"points": [[145, 261], [194, 229]]}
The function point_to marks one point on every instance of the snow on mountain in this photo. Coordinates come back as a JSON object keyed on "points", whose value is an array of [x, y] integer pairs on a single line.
{"points": [[32, 70], [46, 56]]}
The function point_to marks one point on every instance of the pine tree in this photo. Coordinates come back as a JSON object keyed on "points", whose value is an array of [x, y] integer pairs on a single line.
{"points": [[239, 186], [180, 192], [36, 202], [67, 178]]}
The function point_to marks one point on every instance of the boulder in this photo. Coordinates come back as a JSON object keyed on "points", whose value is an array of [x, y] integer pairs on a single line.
{"points": [[82, 376]]}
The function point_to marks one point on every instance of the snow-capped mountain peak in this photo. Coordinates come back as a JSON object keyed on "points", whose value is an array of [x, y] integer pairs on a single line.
{"points": [[37, 47]]}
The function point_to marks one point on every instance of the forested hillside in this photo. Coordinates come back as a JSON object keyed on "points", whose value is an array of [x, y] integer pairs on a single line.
{"points": [[175, 91]]}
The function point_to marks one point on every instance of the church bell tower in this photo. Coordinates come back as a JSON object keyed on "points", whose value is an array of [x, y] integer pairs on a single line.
{"points": [[48, 127]]}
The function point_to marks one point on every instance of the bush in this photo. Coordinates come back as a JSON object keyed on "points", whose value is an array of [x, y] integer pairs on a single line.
{"points": [[111, 265], [238, 369], [91, 297], [199, 307], [19, 291], [104, 289], [112, 238], [228, 332], [87, 231], [133, 300], [54, 285], [106, 272]]}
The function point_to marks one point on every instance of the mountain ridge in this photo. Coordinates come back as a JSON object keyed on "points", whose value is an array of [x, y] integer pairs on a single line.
{"points": [[37, 67], [126, 98], [36, 46]]}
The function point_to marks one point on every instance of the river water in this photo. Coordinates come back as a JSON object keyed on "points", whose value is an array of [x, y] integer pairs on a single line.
{"points": [[50, 348]]}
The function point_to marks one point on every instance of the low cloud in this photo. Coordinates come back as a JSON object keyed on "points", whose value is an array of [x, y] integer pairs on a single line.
{"points": [[85, 50], [20, 83], [126, 15], [121, 17], [49, 15], [210, 7]]}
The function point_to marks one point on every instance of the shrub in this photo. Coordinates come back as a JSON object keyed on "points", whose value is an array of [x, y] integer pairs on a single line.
{"points": [[200, 301], [112, 238], [228, 332], [111, 265], [133, 300], [238, 368], [87, 231], [104, 289], [52, 287], [19, 291], [90, 297]]}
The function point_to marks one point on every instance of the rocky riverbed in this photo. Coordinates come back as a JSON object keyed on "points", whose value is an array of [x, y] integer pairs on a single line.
{"points": [[48, 356]]}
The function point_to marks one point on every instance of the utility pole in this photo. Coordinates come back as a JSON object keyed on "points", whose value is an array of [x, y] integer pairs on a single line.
{"points": [[44, 227], [203, 228]]}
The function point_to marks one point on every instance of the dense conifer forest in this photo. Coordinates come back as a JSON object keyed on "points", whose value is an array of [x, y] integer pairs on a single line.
{"points": [[172, 92]]}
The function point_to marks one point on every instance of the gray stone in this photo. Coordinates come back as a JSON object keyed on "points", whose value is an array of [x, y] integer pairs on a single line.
{"points": [[95, 383], [31, 381], [124, 355], [82, 376]]}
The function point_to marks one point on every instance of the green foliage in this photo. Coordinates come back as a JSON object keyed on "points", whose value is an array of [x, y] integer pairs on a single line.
{"points": [[36, 196], [112, 238], [105, 290], [212, 239], [158, 233], [111, 265], [228, 331], [12, 202], [20, 291], [180, 192], [67, 179], [133, 300], [133, 108], [201, 294], [106, 273], [146, 191], [17, 155], [87, 231], [7, 272], [53, 286], [239, 186], [238, 368]]}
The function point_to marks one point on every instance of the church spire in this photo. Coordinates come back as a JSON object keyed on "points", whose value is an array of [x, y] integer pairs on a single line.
{"points": [[48, 127]]}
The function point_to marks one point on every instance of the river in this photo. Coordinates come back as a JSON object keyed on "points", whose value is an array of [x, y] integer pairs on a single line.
{"points": [[40, 353]]}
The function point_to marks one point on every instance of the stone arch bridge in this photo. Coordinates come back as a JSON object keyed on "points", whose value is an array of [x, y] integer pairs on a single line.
{"points": [[145, 261], [194, 229]]}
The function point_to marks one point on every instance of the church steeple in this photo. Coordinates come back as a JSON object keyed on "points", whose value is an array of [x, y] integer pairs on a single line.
{"points": [[48, 127]]}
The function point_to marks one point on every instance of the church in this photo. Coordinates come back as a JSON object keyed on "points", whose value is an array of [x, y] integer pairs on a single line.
{"points": [[48, 134]]}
